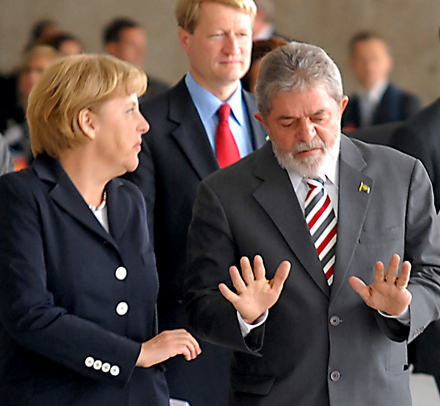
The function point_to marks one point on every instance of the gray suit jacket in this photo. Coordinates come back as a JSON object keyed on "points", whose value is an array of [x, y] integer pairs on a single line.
{"points": [[320, 346]]}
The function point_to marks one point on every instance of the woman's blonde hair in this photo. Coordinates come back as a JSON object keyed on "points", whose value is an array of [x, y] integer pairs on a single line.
{"points": [[188, 11], [70, 85]]}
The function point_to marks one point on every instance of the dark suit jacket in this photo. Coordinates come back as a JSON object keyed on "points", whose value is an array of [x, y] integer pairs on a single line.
{"points": [[61, 340], [420, 137], [319, 345], [396, 105], [155, 87], [376, 134], [176, 155]]}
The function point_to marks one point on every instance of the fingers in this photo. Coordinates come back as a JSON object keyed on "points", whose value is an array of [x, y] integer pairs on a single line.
{"points": [[403, 279], [359, 286], [181, 342], [246, 270], [248, 274], [228, 294], [190, 348], [166, 345], [259, 270], [393, 269], [236, 279], [392, 275], [281, 276], [379, 272]]}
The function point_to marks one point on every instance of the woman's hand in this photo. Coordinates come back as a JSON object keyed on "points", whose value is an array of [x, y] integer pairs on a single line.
{"points": [[166, 345]]}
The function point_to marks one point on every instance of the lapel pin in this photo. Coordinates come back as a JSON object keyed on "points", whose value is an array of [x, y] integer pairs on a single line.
{"points": [[364, 188]]}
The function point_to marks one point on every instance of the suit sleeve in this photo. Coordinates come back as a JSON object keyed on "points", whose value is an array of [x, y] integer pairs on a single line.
{"points": [[422, 250], [211, 251], [28, 311]]}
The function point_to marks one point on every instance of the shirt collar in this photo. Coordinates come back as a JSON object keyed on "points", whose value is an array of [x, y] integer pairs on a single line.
{"points": [[208, 104], [376, 92]]}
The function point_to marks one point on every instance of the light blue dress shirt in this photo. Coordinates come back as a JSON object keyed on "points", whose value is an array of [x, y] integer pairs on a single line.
{"points": [[207, 106]]}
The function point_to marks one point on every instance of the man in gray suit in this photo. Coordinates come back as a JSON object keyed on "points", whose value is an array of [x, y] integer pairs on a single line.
{"points": [[180, 150], [336, 333]]}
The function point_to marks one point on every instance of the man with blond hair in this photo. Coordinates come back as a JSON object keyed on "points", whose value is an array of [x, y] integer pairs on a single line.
{"points": [[184, 145]]}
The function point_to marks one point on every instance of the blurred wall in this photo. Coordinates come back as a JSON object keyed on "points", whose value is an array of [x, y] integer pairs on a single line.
{"points": [[410, 26]]}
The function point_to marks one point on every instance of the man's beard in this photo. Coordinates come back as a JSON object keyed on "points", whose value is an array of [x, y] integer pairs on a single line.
{"points": [[309, 167]]}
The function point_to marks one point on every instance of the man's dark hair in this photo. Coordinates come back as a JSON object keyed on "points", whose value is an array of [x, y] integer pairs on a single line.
{"points": [[363, 36], [112, 32], [39, 27]]}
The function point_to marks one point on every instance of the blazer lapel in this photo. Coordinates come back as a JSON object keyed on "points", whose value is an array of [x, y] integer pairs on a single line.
{"points": [[353, 204], [277, 197], [259, 134], [119, 207], [66, 196], [190, 133], [388, 108]]}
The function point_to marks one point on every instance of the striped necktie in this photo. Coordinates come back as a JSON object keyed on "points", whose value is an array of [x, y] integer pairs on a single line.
{"points": [[321, 219]]}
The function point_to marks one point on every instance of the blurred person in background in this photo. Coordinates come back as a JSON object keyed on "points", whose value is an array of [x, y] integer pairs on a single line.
{"points": [[259, 50], [42, 31], [377, 100], [125, 39], [66, 44], [13, 122]]}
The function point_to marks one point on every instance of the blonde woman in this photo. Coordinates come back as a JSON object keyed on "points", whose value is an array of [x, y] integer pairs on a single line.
{"points": [[78, 281]]}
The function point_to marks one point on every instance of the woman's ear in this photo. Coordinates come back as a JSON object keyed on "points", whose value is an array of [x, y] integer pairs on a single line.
{"points": [[86, 122]]}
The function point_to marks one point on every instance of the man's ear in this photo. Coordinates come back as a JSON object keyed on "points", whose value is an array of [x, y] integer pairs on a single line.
{"points": [[184, 38], [344, 103], [260, 118], [86, 123]]}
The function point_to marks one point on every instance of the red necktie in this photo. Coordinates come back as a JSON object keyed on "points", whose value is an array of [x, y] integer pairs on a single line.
{"points": [[227, 151], [321, 220]]}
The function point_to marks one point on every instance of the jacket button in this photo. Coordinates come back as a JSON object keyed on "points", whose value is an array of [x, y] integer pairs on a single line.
{"points": [[105, 367], [335, 376], [121, 273], [89, 362], [97, 365], [114, 370], [122, 308], [335, 320]]}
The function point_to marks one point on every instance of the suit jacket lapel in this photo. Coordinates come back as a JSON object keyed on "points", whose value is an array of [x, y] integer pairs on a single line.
{"points": [[277, 197], [66, 196], [388, 108], [190, 133], [353, 205], [258, 132], [119, 208]]}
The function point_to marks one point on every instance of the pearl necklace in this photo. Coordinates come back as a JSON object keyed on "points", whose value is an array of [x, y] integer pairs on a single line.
{"points": [[102, 205]]}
